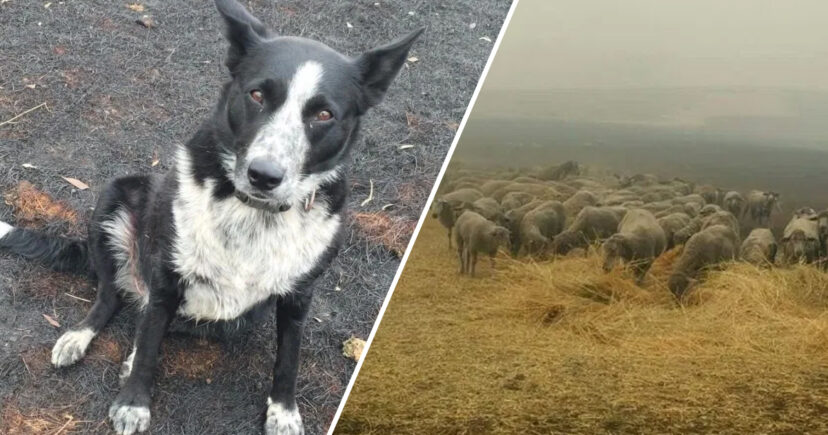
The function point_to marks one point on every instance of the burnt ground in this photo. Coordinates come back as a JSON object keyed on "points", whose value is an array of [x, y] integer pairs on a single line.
{"points": [[119, 96]]}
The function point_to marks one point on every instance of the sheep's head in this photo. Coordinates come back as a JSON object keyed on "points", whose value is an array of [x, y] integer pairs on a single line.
{"points": [[615, 248], [565, 242], [437, 208], [501, 236], [709, 209], [679, 283], [801, 247]]}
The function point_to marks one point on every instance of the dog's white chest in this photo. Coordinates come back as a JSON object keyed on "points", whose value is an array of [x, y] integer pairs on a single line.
{"points": [[232, 257]]}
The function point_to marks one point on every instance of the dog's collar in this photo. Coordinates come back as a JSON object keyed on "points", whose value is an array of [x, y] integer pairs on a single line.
{"points": [[262, 205]]}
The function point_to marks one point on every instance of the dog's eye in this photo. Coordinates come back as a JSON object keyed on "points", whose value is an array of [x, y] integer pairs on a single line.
{"points": [[257, 96], [324, 115]]}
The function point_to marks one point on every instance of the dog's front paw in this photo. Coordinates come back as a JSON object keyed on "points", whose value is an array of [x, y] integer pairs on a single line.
{"points": [[282, 420], [71, 346], [129, 416]]}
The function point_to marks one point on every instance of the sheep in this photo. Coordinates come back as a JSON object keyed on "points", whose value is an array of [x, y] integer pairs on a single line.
{"points": [[445, 214], [475, 234], [711, 194], [722, 217], [759, 248], [691, 198], [639, 180], [514, 200], [538, 190], [734, 202], [800, 240], [822, 229], [591, 223], [639, 241], [538, 226], [709, 247], [489, 187], [556, 173], [760, 205], [671, 224], [710, 214], [458, 197], [489, 209], [578, 201]]}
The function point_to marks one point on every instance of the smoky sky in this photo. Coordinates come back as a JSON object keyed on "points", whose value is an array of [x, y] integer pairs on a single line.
{"points": [[595, 44]]}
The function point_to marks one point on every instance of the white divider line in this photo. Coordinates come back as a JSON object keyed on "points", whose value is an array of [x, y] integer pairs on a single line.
{"points": [[423, 216]]}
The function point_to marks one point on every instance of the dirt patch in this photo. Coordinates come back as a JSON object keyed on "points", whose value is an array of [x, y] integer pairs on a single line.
{"points": [[391, 232], [37, 360], [18, 421], [194, 360], [106, 347], [44, 284], [34, 208]]}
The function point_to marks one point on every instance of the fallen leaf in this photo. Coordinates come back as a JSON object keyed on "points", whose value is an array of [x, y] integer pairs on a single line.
{"points": [[413, 59], [453, 125], [318, 320], [337, 289], [137, 7], [155, 159], [51, 321], [28, 166], [350, 26], [472, 26], [486, 38], [77, 183], [405, 147], [146, 21], [31, 86], [353, 348], [46, 5]]}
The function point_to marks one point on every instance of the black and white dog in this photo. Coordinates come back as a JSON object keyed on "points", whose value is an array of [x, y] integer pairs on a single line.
{"points": [[250, 215]]}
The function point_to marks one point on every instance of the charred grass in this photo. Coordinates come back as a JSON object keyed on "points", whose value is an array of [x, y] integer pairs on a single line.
{"points": [[561, 347]]}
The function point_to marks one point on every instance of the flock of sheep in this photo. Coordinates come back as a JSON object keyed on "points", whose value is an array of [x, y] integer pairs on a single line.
{"points": [[559, 211]]}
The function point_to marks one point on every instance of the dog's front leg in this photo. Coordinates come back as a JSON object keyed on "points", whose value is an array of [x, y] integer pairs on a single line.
{"points": [[282, 414], [130, 411]]}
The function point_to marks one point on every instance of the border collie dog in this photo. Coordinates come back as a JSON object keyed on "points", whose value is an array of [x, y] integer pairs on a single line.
{"points": [[248, 217]]}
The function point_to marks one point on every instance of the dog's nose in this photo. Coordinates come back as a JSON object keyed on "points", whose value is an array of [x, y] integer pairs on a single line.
{"points": [[264, 174]]}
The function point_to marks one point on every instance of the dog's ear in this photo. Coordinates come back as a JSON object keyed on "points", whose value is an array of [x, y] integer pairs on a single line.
{"points": [[380, 66], [241, 29]]}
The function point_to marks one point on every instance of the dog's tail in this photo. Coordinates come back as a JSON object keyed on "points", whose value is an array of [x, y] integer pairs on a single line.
{"points": [[58, 253]]}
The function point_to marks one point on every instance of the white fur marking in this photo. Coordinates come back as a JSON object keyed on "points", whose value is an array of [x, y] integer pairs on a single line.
{"points": [[232, 256], [5, 229], [124, 245], [283, 139], [71, 346], [128, 420], [126, 367], [283, 421]]}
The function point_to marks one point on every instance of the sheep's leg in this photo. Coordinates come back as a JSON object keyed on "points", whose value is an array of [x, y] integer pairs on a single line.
{"points": [[473, 264], [449, 238], [461, 255], [492, 260]]}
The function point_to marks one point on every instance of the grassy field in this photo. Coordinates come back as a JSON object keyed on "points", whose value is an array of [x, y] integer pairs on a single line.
{"points": [[561, 347]]}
